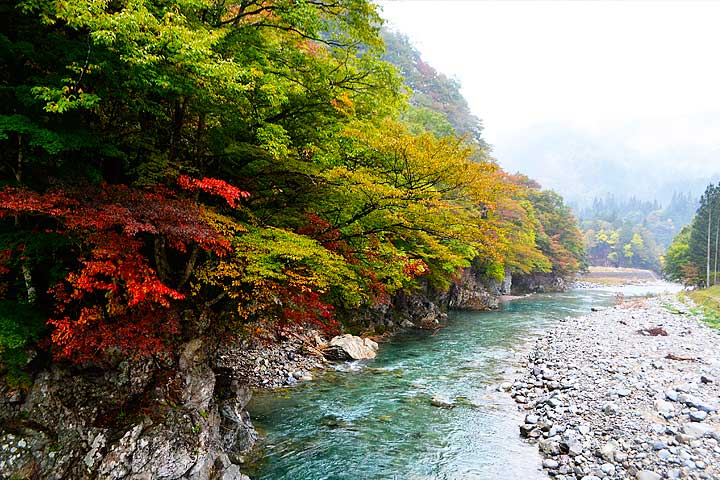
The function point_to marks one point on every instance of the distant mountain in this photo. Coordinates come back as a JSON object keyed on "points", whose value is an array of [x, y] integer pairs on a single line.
{"points": [[583, 166]]}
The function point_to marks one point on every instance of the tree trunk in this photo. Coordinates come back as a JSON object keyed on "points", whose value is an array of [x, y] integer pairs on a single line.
{"points": [[24, 269], [27, 276], [161, 261], [707, 269], [717, 237], [19, 171], [189, 266]]}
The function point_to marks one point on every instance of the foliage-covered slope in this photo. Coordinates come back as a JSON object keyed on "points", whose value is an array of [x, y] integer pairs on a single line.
{"points": [[632, 232], [694, 253], [252, 165]]}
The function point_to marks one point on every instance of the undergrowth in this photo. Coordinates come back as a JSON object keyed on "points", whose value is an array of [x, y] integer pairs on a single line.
{"points": [[707, 303]]}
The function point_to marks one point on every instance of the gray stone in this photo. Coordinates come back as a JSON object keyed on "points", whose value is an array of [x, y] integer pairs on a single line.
{"points": [[610, 409], [706, 406], [550, 463], [530, 418], [647, 475], [441, 401], [549, 447], [575, 449], [608, 451], [663, 406], [233, 473], [697, 430], [698, 415]]}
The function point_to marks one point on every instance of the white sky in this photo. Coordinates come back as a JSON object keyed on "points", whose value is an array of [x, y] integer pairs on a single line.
{"points": [[646, 73]]}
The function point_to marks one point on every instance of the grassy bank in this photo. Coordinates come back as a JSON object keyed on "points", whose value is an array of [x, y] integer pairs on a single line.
{"points": [[708, 302]]}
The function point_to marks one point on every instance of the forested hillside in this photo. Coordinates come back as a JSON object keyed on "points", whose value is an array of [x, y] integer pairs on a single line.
{"points": [[173, 170], [436, 102], [692, 257], [632, 232]]}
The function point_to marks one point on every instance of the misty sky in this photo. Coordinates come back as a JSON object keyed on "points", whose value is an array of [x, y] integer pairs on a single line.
{"points": [[568, 90]]}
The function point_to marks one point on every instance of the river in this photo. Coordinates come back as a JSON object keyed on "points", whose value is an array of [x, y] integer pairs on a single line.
{"points": [[375, 421]]}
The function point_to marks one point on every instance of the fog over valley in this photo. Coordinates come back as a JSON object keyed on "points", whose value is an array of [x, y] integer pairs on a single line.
{"points": [[597, 98]]}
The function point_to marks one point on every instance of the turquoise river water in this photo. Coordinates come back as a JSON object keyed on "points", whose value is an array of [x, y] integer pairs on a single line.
{"points": [[374, 420]]}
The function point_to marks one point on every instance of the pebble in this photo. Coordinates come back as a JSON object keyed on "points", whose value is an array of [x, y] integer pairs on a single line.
{"points": [[532, 419], [698, 415], [605, 402]]}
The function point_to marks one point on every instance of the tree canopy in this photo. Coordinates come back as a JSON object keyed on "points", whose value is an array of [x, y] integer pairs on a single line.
{"points": [[254, 163], [692, 257]]}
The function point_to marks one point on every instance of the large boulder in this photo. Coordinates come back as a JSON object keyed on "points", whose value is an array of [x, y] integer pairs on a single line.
{"points": [[351, 347]]}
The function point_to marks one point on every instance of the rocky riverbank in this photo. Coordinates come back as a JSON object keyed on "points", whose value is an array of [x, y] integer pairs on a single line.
{"points": [[630, 391]]}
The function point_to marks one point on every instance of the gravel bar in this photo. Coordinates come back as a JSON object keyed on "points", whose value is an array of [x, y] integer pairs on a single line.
{"points": [[625, 392]]}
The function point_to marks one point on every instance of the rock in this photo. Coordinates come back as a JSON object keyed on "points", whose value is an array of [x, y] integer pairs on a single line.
{"points": [[687, 399], [697, 430], [608, 451], [671, 395], [198, 377], [236, 433], [608, 468], [233, 473], [698, 415], [174, 425], [610, 409], [549, 447], [530, 418], [707, 407], [441, 401], [622, 392], [550, 463], [351, 347], [575, 449], [663, 406], [647, 475], [664, 454]]}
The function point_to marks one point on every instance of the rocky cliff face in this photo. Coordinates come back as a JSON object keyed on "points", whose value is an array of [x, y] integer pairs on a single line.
{"points": [[426, 308], [474, 291], [539, 283], [171, 419]]}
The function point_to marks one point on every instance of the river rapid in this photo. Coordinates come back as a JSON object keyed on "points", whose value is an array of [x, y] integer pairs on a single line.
{"points": [[375, 420]]}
